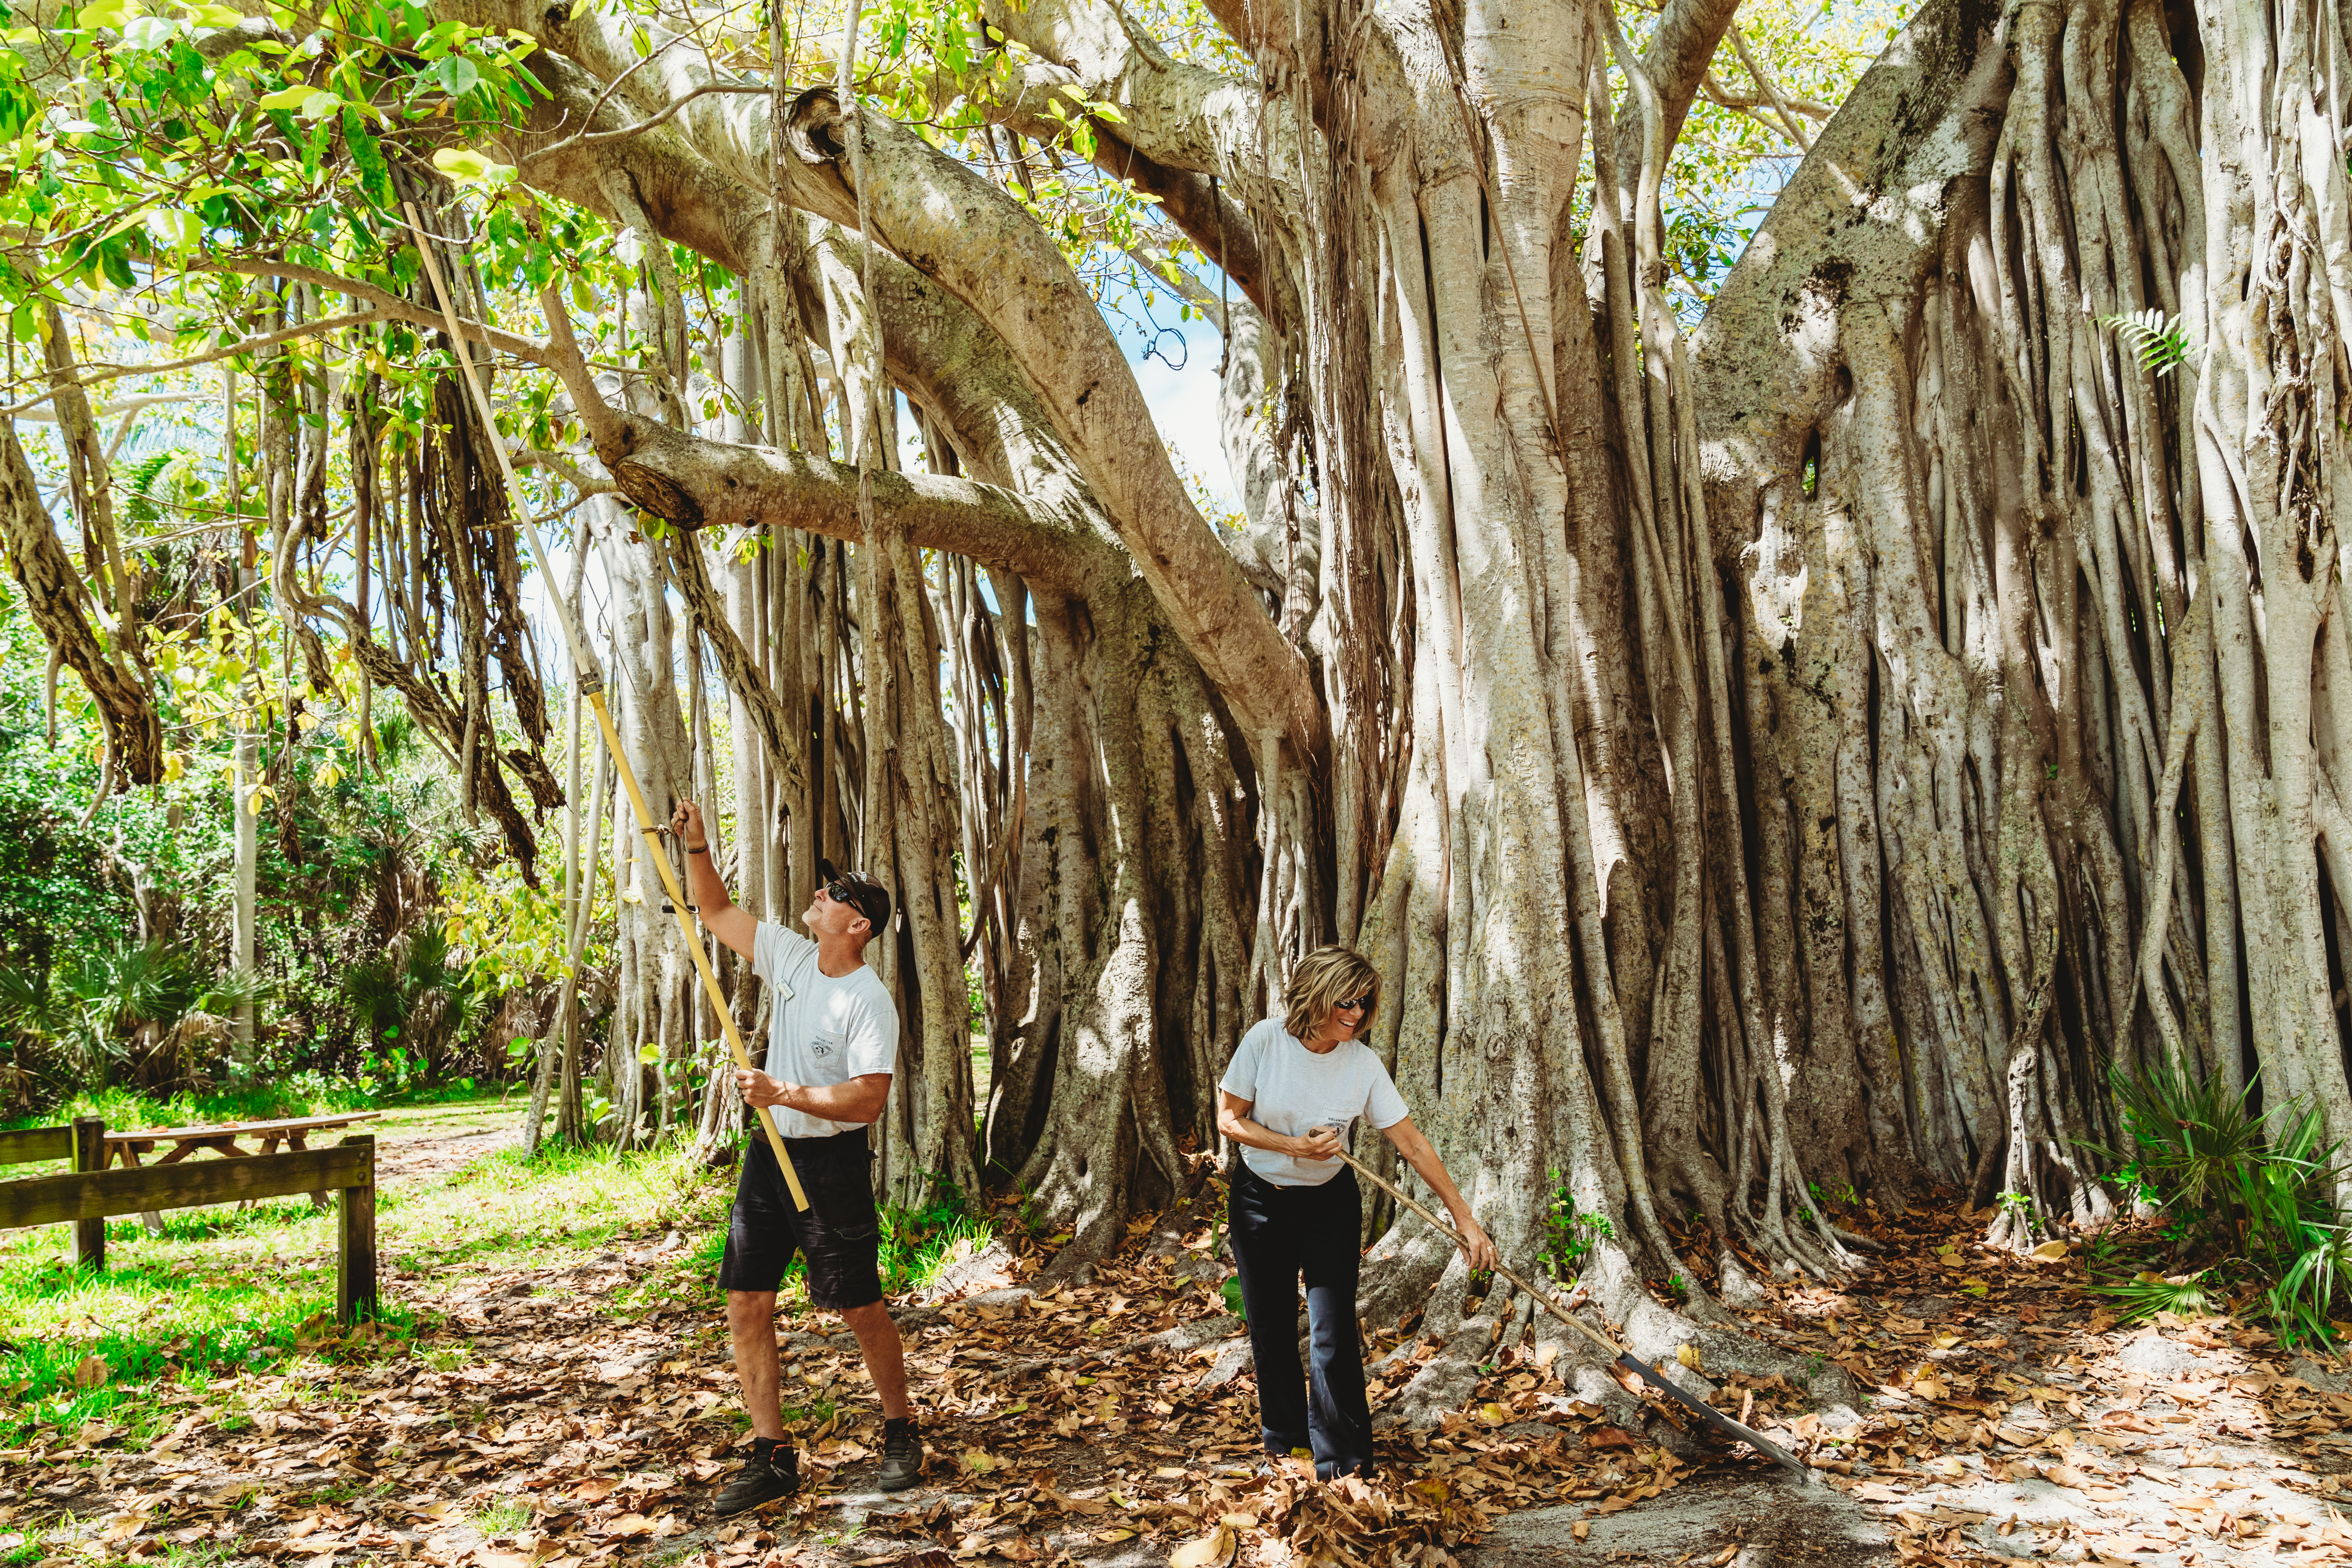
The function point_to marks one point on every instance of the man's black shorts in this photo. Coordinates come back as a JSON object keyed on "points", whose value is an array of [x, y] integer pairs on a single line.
{"points": [[840, 1232]]}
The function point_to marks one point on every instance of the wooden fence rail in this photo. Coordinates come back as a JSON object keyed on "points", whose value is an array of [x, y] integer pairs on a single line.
{"points": [[88, 1196], [27, 1145]]}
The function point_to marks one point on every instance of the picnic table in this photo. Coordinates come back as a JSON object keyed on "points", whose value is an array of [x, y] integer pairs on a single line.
{"points": [[127, 1147]]}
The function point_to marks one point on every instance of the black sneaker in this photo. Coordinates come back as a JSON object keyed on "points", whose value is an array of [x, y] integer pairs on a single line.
{"points": [[773, 1471], [902, 1455]]}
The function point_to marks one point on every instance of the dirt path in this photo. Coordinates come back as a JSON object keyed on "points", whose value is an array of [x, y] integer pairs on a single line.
{"points": [[429, 1140]]}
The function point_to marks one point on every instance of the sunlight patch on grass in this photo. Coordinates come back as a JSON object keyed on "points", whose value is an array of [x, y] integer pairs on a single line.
{"points": [[916, 1248], [30, 1543], [505, 1211]]}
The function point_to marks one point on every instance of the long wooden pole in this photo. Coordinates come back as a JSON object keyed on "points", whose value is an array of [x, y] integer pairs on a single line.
{"points": [[1623, 1358], [590, 682]]}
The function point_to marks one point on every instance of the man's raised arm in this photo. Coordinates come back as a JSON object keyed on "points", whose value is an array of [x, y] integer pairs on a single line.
{"points": [[730, 925]]}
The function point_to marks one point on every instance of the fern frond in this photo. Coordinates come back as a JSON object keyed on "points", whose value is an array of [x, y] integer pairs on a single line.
{"points": [[2157, 342]]}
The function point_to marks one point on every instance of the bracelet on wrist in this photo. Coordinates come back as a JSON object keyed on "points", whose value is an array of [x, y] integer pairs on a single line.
{"points": [[698, 848]]}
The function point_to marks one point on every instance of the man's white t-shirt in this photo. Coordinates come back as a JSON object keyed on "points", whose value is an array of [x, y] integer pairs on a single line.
{"points": [[1293, 1089], [830, 1030]]}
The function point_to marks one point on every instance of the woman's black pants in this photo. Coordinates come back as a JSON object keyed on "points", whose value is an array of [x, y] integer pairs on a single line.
{"points": [[1281, 1235]]}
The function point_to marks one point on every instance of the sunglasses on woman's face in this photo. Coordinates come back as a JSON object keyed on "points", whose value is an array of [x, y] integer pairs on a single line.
{"points": [[1363, 1001]]}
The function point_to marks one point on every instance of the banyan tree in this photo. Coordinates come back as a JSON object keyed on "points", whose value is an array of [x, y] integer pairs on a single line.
{"points": [[1798, 749]]}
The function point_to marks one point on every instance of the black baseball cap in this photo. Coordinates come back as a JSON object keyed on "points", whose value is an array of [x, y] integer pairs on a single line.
{"points": [[873, 901]]}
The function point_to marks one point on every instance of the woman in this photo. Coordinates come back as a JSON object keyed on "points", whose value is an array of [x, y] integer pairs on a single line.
{"points": [[1295, 1085]]}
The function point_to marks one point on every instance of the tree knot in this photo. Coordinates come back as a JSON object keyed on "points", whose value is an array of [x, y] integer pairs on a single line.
{"points": [[816, 128], [657, 493]]}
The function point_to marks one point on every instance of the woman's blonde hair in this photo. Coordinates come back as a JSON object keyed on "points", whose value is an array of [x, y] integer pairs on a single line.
{"points": [[1324, 979]]}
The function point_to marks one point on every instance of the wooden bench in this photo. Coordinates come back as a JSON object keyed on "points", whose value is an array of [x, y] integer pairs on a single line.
{"points": [[126, 1148], [85, 1198]]}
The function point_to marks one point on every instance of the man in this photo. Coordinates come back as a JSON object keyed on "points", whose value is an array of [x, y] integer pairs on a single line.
{"points": [[832, 1041]]}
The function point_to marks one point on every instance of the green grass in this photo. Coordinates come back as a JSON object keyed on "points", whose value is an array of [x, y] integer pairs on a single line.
{"points": [[505, 1211], [31, 1549], [223, 1292], [918, 1247], [503, 1518], [175, 1556], [143, 1323]]}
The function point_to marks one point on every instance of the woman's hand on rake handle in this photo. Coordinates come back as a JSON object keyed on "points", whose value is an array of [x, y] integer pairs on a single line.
{"points": [[1471, 1237], [1468, 1233]]}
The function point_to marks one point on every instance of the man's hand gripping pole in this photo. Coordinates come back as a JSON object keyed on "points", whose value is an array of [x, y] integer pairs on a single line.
{"points": [[590, 684]]}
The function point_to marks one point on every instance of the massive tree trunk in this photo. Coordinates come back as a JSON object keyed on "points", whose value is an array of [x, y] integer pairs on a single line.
{"points": [[2068, 586], [1522, 795]]}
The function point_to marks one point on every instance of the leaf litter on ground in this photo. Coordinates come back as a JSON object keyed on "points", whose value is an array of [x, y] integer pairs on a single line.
{"points": [[585, 1415]]}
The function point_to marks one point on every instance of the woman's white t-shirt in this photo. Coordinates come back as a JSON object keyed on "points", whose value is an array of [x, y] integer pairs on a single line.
{"points": [[824, 1028], [1292, 1089]]}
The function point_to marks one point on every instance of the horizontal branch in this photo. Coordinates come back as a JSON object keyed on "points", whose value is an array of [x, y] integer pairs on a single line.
{"points": [[699, 483], [1722, 96], [620, 134]]}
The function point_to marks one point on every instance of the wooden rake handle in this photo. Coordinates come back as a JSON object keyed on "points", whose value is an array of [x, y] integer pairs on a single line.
{"points": [[591, 685], [1705, 1412], [1541, 1298]]}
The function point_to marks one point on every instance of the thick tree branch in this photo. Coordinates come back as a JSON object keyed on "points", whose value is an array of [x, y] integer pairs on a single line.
{"points": [[1211, 220], [971, 237], [701, 483], [661, 117], [957, 228], [1676, 60], [697, 482]]}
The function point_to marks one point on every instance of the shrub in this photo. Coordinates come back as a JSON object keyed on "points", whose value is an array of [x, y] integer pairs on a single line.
{"points": [[2247, 1200], [1569, 1233]]}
